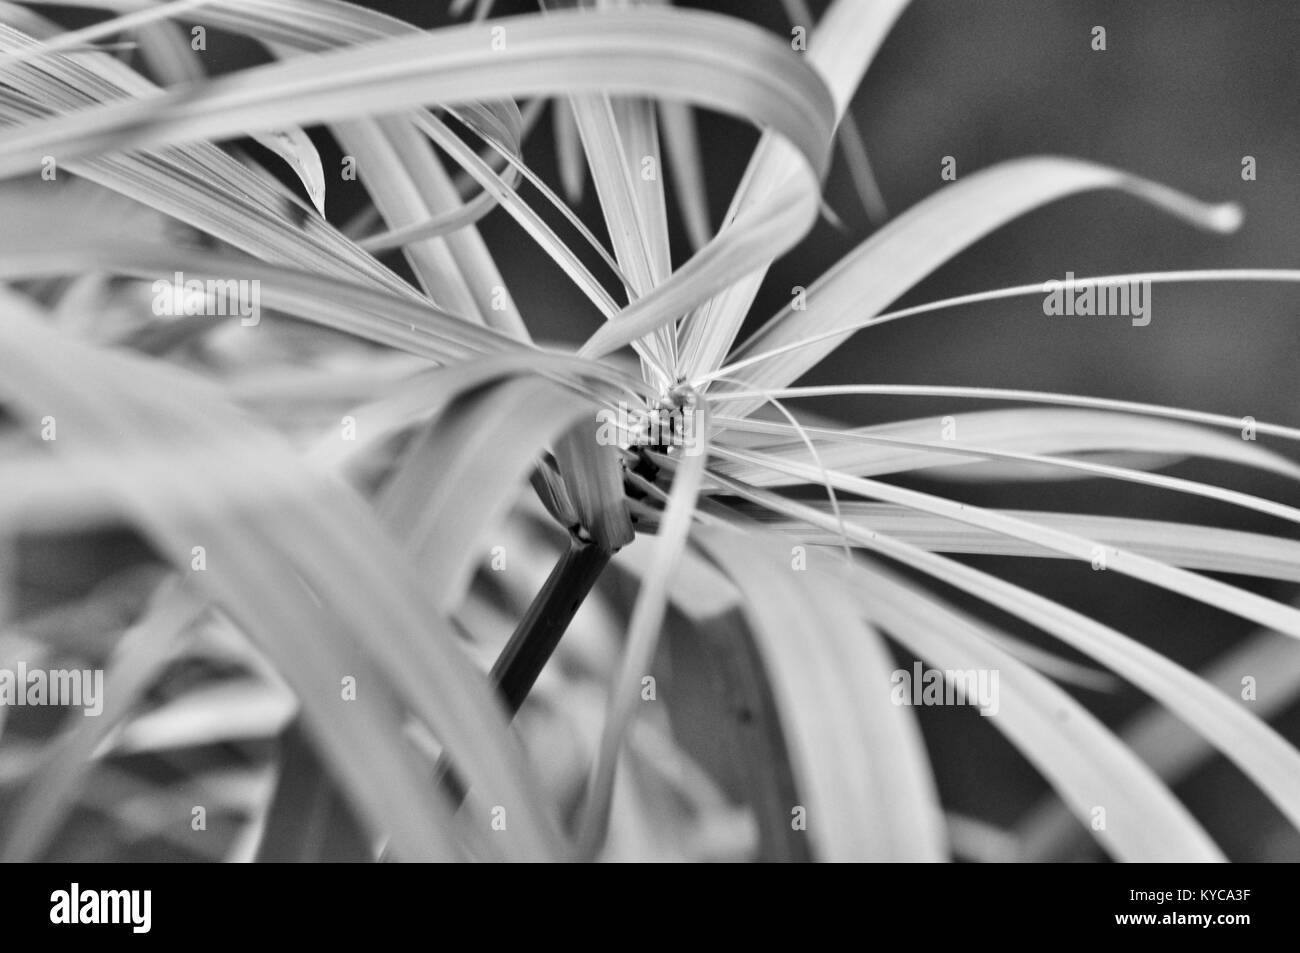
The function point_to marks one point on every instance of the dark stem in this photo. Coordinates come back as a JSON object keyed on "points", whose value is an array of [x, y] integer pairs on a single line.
{"points": [[546, 621], [538, 633]]}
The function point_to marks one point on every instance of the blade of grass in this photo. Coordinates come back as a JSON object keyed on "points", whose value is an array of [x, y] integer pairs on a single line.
{"points": [[1252, 745], [626, 52], [1205, 548], [878, 450], [848, 138], [1010, 394], [685, 162], [1099, 282], [1211, 592], [840, 49], [927, 235]]}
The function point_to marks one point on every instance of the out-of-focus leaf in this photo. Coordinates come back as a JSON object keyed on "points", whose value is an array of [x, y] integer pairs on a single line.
{"points": [[1086, 764], [229, 710], [593, 478], [858, 759], [348, 608], [139, 658], [487, 439], [1166, 743]]}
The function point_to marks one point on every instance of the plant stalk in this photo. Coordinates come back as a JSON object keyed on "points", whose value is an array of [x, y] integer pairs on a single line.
{"points": [[548, 617], [537, 634]]}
